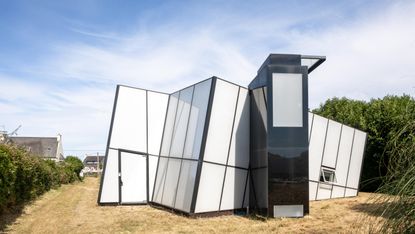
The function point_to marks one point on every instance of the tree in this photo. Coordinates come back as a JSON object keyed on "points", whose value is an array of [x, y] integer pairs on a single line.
{"points": [[75, 165]]}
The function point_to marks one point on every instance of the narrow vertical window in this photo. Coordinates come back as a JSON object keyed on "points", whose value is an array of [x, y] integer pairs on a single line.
{"points": [[287, 98]]}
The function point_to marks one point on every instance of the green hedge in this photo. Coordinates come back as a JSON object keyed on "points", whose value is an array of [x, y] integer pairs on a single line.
{"points": [[24, 176]]}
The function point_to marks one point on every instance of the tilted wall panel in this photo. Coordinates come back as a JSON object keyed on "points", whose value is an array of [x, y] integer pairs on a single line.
{"points": [[350, 192], [152, 168], [344, 155], [324, 191], [180, 125], [130, 121], [109, 192], [160, 179], [170, 184], [157, 107], [186, 185], [239, 151], [318, 136], [332, 143], [221, 121], [312, 190], [197, 119], [337, 192], [356, 159], [210, 188], [233, 190], [169, 124]]}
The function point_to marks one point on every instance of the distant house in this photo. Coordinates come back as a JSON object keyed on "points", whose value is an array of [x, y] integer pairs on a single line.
{"points": [[92, 162], [45, 147]]}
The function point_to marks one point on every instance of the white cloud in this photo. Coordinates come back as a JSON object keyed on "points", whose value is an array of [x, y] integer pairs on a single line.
{"points": [[369, 56]]}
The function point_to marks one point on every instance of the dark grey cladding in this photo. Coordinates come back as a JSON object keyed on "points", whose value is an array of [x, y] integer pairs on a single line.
{"points": [[279, 155]]}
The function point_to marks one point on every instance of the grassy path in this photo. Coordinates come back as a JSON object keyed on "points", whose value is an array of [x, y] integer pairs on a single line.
{"points": [[73, 209]]}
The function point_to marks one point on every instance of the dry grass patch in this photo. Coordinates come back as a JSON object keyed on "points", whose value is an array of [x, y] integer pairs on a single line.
{"points": [[73, 209]]}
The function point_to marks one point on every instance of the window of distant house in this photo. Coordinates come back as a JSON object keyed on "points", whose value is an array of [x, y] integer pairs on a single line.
{"points": [[327, 175]]}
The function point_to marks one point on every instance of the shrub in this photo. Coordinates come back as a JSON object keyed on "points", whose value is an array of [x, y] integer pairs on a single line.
{"points": [[24, 176]]}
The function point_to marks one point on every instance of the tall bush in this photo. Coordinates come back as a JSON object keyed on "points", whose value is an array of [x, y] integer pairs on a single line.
{"points": [[24, 176]]}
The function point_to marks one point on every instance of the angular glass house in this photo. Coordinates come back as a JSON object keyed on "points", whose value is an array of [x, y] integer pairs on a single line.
{"points": [[216, 147]]}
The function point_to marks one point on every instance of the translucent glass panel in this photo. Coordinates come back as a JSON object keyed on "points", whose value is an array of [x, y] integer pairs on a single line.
{"points": [[134, 178], [169, 124], [337, 192], [287, 100], [324, 191], [152, 168], [312, 190], [310, 124], [197, 119], [180, 126], [221, 121], [350, 192], [109, 192], [356, 159], [233, 190], [210, 188], [129, 129], [332, 143], [186, 185], [170, 185], [318, 136], [239, 151], [344, 155], [156, 106], [160, 179]]}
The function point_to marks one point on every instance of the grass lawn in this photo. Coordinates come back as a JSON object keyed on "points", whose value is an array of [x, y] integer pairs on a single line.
{"points": [[73, 209]]}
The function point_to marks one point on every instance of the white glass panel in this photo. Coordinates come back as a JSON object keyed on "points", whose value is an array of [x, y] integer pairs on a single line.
{"points": [[239, 151], [129, 127], [316, 146], [197, 120], [170, 186], [337, 192], [324, 191], [344, 155], [221, 120], [312, 190], [287, 100], [186, 185], [169, 125], [152, 168], [180, 126], [161, 177], [310, 124], [332, 143], [157, 106], [134, 178], [210, 188], [351, 192], [109, 191], [356, 160], [233, 190]]}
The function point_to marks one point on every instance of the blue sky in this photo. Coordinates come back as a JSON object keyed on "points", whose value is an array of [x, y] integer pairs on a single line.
{"points": [[60, 60]]}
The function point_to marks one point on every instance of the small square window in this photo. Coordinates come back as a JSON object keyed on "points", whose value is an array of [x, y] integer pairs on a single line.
{"points": [[327, 175]]}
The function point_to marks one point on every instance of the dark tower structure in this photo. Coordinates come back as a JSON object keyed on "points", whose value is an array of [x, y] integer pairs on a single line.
{"points": [[279, 136]]}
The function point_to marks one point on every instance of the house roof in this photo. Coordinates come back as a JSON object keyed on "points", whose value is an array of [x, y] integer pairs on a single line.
{"points": [[45, 147], [93, 159]]}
